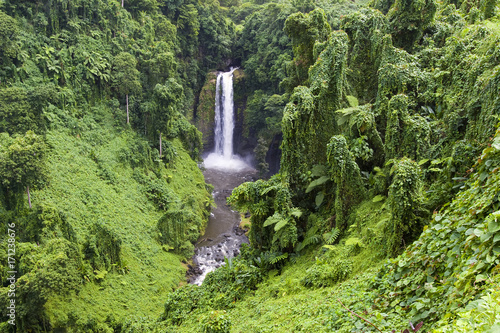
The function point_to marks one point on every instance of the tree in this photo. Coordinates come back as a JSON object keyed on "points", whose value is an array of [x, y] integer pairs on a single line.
{"points": [[167, 99], [405, 135], [273, 216], [8, 30], [405, 202], [345, 173], [408, 20], [126, 76], [299, 146], [22, 163], [305, 30]]}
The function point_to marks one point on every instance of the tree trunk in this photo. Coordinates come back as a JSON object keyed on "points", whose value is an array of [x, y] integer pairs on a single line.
{"points": [[122, 2], [127, 109], [160, 146], [29, 196]]}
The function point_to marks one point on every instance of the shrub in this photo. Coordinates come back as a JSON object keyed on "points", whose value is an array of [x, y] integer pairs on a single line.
{"points": [[216, 322], [181, 303], [327, 274]]}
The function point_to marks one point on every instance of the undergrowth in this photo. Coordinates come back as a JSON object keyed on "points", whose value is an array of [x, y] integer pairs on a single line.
{"points": [[99, 197]]}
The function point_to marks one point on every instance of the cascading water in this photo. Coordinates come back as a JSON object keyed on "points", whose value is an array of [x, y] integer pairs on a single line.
{"points": [[223, 157], [219, 118], [224, 170], [224, 115]]}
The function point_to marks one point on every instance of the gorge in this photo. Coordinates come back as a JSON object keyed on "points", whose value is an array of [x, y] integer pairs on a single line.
{"points": [[373, 126], [224, 170]]}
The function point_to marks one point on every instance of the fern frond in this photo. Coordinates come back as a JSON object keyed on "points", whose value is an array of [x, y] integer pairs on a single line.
{"points": [[332, 236], [296, 212], [274, 260], [313, 239]]}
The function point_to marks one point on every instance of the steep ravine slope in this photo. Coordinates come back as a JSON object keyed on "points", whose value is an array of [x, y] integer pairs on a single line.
{"points": [[100, 258]]}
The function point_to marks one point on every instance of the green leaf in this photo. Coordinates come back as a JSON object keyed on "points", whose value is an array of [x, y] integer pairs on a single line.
{"points": [[378, 198], [296, 212], [495, 328], [496, 238], [496, 143], [354, 241], [480, 277], [483, 175], [493, 226], [478, 232], [319, 170], [418, 305], [280, 224], [342, 120], [353, 101], [319, 199], [273, 219], [279, 258], [321, 180], [421, 162]]}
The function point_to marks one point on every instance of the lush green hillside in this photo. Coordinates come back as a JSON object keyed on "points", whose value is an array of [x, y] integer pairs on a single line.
{"points": [[100, 189], [389, 150], [384, 211], [93, 248]]}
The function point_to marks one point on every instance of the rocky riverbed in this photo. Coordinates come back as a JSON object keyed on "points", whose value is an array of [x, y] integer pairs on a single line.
{"points": [[223, 236]]}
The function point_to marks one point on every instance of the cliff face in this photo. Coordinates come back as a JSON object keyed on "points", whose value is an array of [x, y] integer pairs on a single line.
{"points": [[242, 138], [205, 112]]}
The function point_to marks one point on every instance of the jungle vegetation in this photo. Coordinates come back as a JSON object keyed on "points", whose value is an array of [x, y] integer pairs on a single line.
{"points": [[383, 216]]}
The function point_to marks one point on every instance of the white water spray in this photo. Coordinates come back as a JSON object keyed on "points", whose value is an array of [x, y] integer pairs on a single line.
{"points": [[223, 157]]}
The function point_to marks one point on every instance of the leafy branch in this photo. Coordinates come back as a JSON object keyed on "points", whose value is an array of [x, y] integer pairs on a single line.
{"points": [[413, 328]]}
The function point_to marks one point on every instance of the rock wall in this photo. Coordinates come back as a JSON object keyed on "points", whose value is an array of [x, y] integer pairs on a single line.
{"points": [[242, 140], [205, 112]]}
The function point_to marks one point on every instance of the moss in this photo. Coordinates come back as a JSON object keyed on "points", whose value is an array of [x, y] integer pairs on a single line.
{"points": [[205, 112]]}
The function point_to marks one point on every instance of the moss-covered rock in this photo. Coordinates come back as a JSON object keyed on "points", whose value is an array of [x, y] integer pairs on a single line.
{"points": [[243, 140], [205, 112]]}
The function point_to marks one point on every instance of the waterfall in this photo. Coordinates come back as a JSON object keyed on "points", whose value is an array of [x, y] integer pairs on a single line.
{"points": [[224, 170], [222, 156], [224, 115]]}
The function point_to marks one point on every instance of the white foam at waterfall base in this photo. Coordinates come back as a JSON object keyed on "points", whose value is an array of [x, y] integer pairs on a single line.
{"points": [[221, 162]]}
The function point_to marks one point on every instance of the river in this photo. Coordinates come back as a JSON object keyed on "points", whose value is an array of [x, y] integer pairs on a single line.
{"points": [[225, 171]]}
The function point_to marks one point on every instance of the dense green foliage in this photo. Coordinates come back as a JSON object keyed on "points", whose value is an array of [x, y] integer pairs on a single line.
{"points": [[385, 208], [89, 195], [390, 112]]}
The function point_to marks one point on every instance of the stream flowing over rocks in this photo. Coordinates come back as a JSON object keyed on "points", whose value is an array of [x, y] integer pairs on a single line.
{"points": [[225, 171], [223, 236]]}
